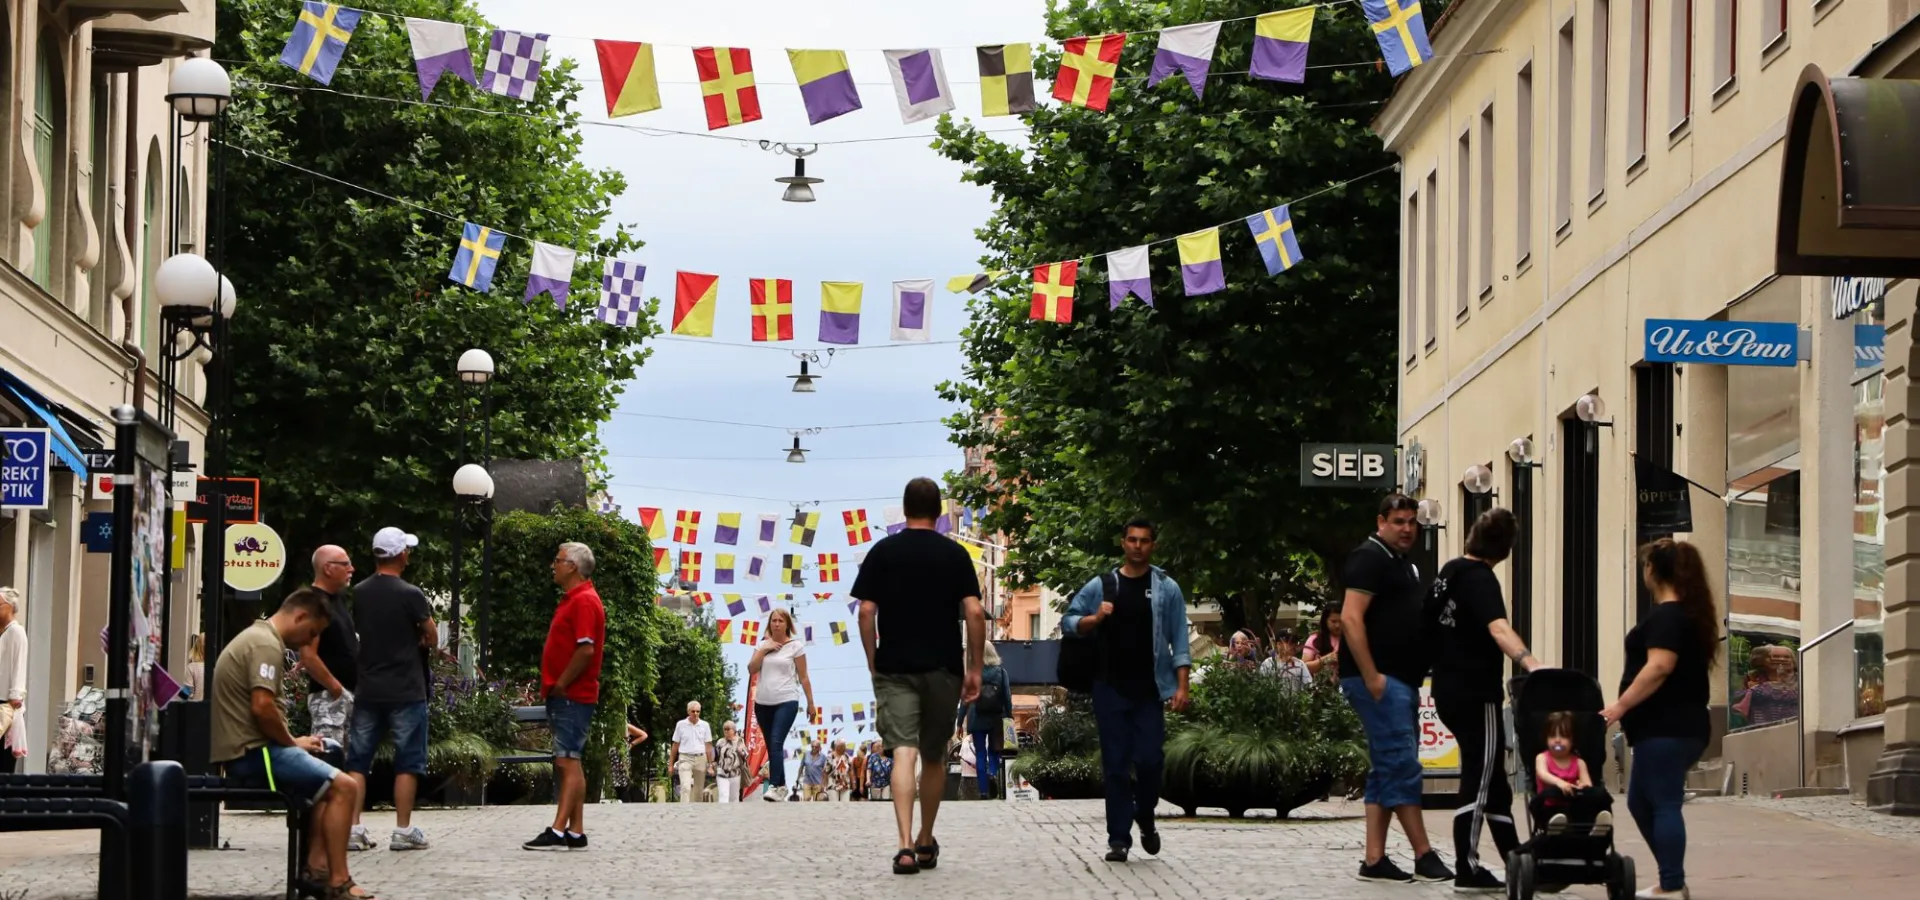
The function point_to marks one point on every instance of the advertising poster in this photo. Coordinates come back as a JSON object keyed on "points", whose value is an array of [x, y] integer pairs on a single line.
{"points": [[1439, 752], [146, 618]]}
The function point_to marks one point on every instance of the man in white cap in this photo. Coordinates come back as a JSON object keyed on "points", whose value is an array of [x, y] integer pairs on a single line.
{"points": [[396, 636], [13, 678]]}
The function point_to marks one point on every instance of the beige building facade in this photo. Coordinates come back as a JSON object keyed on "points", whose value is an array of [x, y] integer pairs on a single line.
{"points": [[95, 196], [1570, 170]]}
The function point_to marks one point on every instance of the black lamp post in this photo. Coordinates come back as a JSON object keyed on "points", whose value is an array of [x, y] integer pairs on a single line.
{"points": [[475, 368], [472, 488]]}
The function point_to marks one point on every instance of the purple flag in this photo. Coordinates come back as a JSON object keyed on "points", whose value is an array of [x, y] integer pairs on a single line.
{"points": [[1187, 49], [551, 272], [1280, 45], [910, 320], [440, 48], [768, 522], [840, 312], [1127, 274]]}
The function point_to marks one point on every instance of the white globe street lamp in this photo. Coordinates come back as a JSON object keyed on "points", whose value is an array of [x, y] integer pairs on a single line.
{"points": [[199, 90]]}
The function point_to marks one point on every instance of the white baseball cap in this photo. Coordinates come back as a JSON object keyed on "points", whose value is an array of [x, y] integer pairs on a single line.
{"points": [[390, 542]]}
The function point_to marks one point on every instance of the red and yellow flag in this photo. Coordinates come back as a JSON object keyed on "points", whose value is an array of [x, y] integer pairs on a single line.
{"points": [[725, 629], [650, 520], [829, 566], [1087, 68], [690, 566], [695, 296], [772, 309], [626, 73], [858, 531], [659, 560], [686, 527], [750, 632], [756, 742], [726, 86], [1053, 291]]}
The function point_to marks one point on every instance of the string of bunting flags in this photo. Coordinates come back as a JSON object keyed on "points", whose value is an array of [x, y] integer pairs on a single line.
{"points": [[730, 94], [691, 566]]}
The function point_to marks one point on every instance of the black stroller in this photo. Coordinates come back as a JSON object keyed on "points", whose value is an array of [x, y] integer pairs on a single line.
{"points": [[1575, 854]]}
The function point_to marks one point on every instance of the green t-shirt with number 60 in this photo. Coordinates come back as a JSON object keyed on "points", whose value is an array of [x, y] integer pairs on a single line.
{"points": [[252, 660]]}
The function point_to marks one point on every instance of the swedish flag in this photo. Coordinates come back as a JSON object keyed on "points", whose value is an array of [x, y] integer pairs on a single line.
{"points": [[1401, 31], [479, 253]]}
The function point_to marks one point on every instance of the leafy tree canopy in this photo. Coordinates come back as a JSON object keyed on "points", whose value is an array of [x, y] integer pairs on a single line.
{"points": [[345, 400], [1191, 412]]}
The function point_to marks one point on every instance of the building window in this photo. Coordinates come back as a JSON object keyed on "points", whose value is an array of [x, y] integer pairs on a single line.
{"points": [[1639, 59], [1520, 585], [101, 199], [151, 234], [1563, 132], [185, 229], [1033, 626], [1411, 275], [1773, 21], [1597, 102], [1653, 439], [48, 106], [1680, 64], [1463, 224], [1580, 548], [1726, 43], [1523, 164], [1429, 281], [1485, 236]]}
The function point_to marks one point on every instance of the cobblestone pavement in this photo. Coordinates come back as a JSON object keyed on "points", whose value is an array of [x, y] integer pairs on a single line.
{"points": [[1749, 849]]}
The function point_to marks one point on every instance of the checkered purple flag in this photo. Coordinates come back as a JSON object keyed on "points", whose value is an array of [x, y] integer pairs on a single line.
{"points": [[513, 63], [621, 293]]}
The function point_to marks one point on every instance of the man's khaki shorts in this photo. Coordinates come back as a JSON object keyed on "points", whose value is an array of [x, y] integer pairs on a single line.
{"points": [[917, 710]]}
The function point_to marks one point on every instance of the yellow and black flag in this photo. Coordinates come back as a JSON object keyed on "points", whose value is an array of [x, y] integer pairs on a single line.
{"points": [[1006, 79]]}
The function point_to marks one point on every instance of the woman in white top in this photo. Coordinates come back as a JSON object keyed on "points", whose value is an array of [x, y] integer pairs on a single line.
{"points": [[780, 662]]}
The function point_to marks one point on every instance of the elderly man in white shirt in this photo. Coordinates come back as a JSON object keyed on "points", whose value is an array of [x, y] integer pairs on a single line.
{"points": [[691, 754], [13, 680]]}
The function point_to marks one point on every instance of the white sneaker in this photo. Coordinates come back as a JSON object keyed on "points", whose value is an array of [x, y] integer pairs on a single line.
{"points": [[1655, 893], [1603, 824], [1557, 824], [359, 839], [408, 839]]}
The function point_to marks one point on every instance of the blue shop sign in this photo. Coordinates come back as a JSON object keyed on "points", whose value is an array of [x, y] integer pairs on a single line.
{"points": [[24, 468], [1723, 343], [1869, 346]]}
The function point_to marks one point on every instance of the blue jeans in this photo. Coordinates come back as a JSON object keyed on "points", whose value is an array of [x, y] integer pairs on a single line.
{"points": [[570, 720], [986, 760], [1656, 787], [1392, 724], [1133, 735], [775, 721], [289, 770], [406, 722]]}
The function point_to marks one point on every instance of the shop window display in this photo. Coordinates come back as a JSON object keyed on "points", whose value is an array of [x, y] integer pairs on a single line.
{"points": [[1869, 529]]}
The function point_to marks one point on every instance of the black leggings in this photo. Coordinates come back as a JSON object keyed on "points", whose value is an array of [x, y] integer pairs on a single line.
{"points": [[1579, 806]]}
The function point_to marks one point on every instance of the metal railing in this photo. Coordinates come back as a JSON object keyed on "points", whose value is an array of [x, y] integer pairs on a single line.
{"points": [[1800, 692]]}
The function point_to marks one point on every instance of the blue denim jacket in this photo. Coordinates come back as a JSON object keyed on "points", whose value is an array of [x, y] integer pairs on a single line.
{"points": [[1170, 628]]}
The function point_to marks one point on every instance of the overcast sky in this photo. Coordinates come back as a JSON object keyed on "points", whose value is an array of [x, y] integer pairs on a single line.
{"points": [[889, 210]]}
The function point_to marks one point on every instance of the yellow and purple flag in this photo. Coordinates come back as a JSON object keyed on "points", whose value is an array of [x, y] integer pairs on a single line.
{"points": [[840, 312], [726, 528], [1273, 233], [723, 568], [1280, 45], [1188, 50], [1201, 271], [319, 39], [826, 87], [736, 604]]}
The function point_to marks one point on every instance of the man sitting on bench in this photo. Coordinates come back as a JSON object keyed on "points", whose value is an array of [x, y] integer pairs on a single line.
{"points": [[252, 743]]}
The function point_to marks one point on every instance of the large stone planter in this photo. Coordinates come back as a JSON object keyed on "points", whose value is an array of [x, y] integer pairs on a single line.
{"points": [[1236, 799]]}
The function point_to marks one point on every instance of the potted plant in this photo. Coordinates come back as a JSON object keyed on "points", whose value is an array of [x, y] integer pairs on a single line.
{"points": [[1065, 763], [1254, 741]]}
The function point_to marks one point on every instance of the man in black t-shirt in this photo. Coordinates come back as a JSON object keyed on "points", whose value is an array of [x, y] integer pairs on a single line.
{"points": [[396, 634], [914, 589], [333, 665], [1472, 645], [1382, 664]]}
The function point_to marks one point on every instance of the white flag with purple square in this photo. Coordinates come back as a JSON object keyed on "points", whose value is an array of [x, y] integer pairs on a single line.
{"points": [[550, 273], [1127, 274], [514, 59], [919, 83], [896, 520], [769, 523], [912, 312], [1187, 49], [756, 568], [621, 293]]}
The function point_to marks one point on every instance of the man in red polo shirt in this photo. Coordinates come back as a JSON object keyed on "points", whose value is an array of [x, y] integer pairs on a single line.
{"points": [[570, 680]]}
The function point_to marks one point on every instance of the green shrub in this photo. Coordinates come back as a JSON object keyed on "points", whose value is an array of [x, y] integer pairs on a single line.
{"points": [[1065, 763], [1254, 741]]}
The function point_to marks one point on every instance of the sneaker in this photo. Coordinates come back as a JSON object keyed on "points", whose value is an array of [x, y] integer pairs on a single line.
{"points": [[1603, 824], [1150, 841], [1384, 870], [546, 840], [1431, 868], [1557, 824], [359, 839], [1655, 893], [1116, 854], [771, 794], [576, 841], [1480, 881], [408, 839]]}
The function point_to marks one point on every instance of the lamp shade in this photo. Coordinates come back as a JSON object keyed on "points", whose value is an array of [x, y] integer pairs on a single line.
{"points": [[475, 366], [199, 89], [185, 281], [1590, 408], [472, 482]]}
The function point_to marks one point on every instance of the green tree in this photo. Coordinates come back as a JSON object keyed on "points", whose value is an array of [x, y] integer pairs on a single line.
{"points": [[1190, 412], [345, 400], [690, 668]]}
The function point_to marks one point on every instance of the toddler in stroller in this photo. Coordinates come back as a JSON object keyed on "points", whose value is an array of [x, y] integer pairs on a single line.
{"points": [[1557, 725], [1564, 786]]}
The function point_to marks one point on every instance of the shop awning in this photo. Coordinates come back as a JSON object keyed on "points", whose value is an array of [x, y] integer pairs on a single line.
{"points": [[36, 403], [1030, 662], [1849, 189]]}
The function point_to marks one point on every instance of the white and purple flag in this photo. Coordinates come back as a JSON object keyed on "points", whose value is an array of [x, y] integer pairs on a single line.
{"points": [[440, 48], [756, 568], [768, 523], [912, 310], [1187, 49], [1127, 274], [622, 287], [896, 520], [513, 63], [919, 83], [550, 273]]}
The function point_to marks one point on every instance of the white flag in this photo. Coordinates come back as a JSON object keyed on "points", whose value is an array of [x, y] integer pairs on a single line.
{"points": [[913, 310], [1127, 274], [550, 272], [896, 520], [769, 526], [919, 83], [440, 48]]}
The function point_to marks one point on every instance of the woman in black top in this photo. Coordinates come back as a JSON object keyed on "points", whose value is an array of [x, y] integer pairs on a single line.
{"points": [[1663, 702]]}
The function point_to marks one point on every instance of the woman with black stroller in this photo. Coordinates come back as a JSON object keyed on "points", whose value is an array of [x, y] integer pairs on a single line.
{"points": [[1663, 702], [1473, 643]]}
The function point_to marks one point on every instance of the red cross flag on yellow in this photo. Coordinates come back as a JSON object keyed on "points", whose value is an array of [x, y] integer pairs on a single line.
{"points": [[726, 86], [829, 566], [690, 566], [857, 530], [1053, 291], [1087, 67], [686, 527], [772, 309]]}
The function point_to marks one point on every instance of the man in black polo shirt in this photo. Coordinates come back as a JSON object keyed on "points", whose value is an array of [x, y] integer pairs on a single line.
{"points": [[1381, 667], [333, 665]]}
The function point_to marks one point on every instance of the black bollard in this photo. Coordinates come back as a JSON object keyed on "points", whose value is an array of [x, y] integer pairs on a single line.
{"points": [[157, 840]]}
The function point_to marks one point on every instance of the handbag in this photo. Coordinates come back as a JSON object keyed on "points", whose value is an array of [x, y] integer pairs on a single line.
{"points": [[1081, 656]]}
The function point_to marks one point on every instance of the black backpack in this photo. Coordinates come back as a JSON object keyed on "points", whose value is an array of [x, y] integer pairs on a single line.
{"points": [[1081, 656], [991, 705]]}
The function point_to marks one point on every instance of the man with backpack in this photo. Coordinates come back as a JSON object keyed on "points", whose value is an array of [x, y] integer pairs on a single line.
{"points": [[983, 718], [1127, 642]]}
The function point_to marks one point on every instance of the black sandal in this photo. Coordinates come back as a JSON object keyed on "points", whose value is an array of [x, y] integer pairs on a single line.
{"points": [[929, 856], [904, 863]]}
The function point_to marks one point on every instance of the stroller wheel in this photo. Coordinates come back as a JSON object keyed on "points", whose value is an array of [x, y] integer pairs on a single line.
{"points": [[1521, 874], [1620, 877]]}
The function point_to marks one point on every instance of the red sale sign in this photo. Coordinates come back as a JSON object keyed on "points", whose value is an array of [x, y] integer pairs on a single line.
{"points": [[1438, 749]]}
